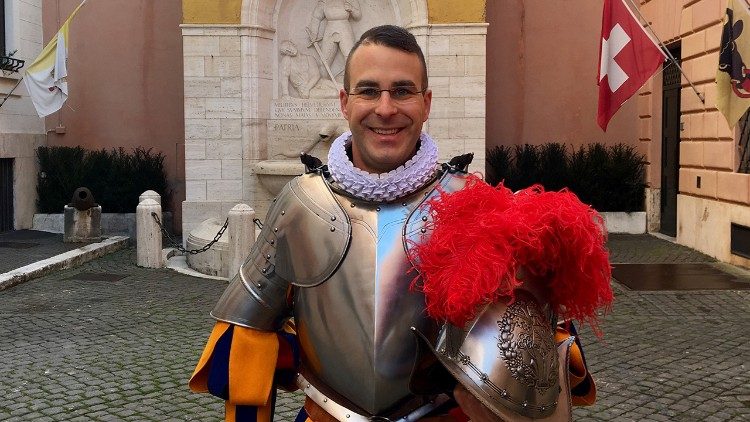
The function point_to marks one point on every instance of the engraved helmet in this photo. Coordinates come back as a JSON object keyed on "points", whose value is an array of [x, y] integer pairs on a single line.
{"points": [[506, 357]]}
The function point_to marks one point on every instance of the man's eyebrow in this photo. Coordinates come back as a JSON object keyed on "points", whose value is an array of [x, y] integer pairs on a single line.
{"points": [[370, 83], [404, 83], [367, 83]]}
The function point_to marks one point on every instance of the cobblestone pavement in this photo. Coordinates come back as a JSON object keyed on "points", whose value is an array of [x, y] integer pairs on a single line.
{"points": [[24, 247], [77, 350]]}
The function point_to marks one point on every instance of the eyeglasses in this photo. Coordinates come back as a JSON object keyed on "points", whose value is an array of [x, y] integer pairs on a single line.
{"points": [[400, 94]]}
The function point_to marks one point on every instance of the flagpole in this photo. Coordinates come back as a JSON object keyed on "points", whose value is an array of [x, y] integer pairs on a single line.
{"points": [[11, 91], [666, 50]]}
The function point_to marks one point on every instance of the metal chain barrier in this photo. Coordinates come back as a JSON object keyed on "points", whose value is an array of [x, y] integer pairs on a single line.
{"points": [[179, 247]]}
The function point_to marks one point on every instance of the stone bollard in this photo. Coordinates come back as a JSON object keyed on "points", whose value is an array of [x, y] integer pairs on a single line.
{"points": [[82, 226], [241, 231], [148, 234], [83, 218], [149, 194]]}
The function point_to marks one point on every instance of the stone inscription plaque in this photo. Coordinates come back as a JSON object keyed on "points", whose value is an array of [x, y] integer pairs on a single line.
{"points": [[288, 138], [299, 109]]}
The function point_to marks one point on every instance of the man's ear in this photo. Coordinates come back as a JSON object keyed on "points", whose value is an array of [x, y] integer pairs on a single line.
{"points": [[343, 101], [427, 104]]}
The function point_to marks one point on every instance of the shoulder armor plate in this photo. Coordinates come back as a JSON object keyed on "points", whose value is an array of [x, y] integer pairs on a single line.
{"points": [[311, 230], [303, 241]]}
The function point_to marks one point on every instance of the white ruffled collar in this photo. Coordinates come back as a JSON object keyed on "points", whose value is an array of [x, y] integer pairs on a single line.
{"points": [[383, 187]]}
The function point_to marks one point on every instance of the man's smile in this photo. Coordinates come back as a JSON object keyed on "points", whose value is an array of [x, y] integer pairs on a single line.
{"points": [[385, 131]]}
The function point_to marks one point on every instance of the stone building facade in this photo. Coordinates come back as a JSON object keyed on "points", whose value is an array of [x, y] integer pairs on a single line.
{"points": [[21, 129]]}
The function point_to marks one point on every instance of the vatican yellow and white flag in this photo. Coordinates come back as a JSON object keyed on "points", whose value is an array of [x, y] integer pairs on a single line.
{"points": [[46, 77]]}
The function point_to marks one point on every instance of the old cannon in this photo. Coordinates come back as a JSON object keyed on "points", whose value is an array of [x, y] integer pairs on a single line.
{"points": [[82, 199]]}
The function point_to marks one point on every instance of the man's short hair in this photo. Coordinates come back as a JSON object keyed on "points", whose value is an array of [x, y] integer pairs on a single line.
{"points": [[390, 36]]}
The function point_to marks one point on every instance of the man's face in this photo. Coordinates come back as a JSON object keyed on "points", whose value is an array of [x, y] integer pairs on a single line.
{"points": [[385, 132]]}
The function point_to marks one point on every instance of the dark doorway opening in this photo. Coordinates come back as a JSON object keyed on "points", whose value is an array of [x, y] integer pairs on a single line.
{"points": [[6, 194], [670, 146]]}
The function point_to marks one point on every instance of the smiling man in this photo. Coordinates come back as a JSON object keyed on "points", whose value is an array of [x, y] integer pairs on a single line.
{"points": [[386, 101], [324, 302]]}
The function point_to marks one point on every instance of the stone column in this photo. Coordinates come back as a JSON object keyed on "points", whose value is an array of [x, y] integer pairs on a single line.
{"points": [[148, 236], [241, 230]]}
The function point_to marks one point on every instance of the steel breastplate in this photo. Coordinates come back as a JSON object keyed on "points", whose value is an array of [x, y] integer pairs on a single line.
{"points": [[354, 329]]}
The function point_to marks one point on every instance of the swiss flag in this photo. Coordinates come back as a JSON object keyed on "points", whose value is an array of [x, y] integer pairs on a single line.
{"points": [[628, 57]]}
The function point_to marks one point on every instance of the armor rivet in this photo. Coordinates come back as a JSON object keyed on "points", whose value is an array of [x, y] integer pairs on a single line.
{"points": [[264, 270], [283, 212], [423, 230], [275, 229], [333, 218], [308, 386], [353, 205], [325, 400], [525, 404], [403, 204], [333, 229], [268, 256], [274, 199], [484, 377], [504, 393], [377, 209], [272, 241], [424, 218], [348, 416]]}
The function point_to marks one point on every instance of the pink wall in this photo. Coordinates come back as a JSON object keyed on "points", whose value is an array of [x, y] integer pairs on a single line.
{"points": [[542, 64], [125, 80]]}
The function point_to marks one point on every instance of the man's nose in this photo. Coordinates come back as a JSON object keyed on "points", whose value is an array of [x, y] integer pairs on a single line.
{"points": [[385, 105]]}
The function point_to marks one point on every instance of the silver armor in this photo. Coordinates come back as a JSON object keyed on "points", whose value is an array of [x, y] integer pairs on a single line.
{"points": [[345, 261]]}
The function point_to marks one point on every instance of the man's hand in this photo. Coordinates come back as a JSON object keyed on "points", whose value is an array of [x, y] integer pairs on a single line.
{"points": [[473, 408]]}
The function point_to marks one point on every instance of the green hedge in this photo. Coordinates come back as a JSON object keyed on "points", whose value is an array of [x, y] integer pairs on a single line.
{"points": [[609, 178], [116, 177]]}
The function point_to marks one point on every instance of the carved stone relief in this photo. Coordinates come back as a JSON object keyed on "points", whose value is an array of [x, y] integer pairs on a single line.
{"points": [[314, 40]]}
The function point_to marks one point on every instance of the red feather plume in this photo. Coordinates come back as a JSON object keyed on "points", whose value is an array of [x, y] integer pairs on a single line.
{"points": [[481, 236]]}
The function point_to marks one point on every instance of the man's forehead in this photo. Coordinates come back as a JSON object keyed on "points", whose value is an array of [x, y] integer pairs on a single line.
{"points": [[363, 71]]}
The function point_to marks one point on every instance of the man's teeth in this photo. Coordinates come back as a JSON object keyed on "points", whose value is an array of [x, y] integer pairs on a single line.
{"points": [[385, 131]]}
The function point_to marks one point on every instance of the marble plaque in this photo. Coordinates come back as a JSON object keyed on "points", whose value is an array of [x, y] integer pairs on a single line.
{"points": [[288, 138], [299, 109]]}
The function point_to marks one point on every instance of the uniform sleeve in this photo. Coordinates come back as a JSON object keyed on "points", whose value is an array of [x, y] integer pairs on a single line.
{"points": [[243, 366]]}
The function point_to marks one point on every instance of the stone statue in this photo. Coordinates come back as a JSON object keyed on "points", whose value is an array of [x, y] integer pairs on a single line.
{"points": [[298, 69], [338, 36], [301, 71]]}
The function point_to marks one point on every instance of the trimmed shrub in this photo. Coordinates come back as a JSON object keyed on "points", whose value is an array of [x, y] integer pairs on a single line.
{"points": [[116, 178], [608, 178]]}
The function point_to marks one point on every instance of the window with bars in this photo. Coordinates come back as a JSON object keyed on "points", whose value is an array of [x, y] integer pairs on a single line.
{"points": [[8, 63]]}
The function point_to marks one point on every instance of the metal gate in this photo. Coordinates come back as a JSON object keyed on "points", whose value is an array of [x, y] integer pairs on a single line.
{"points": [[6, 194]]}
